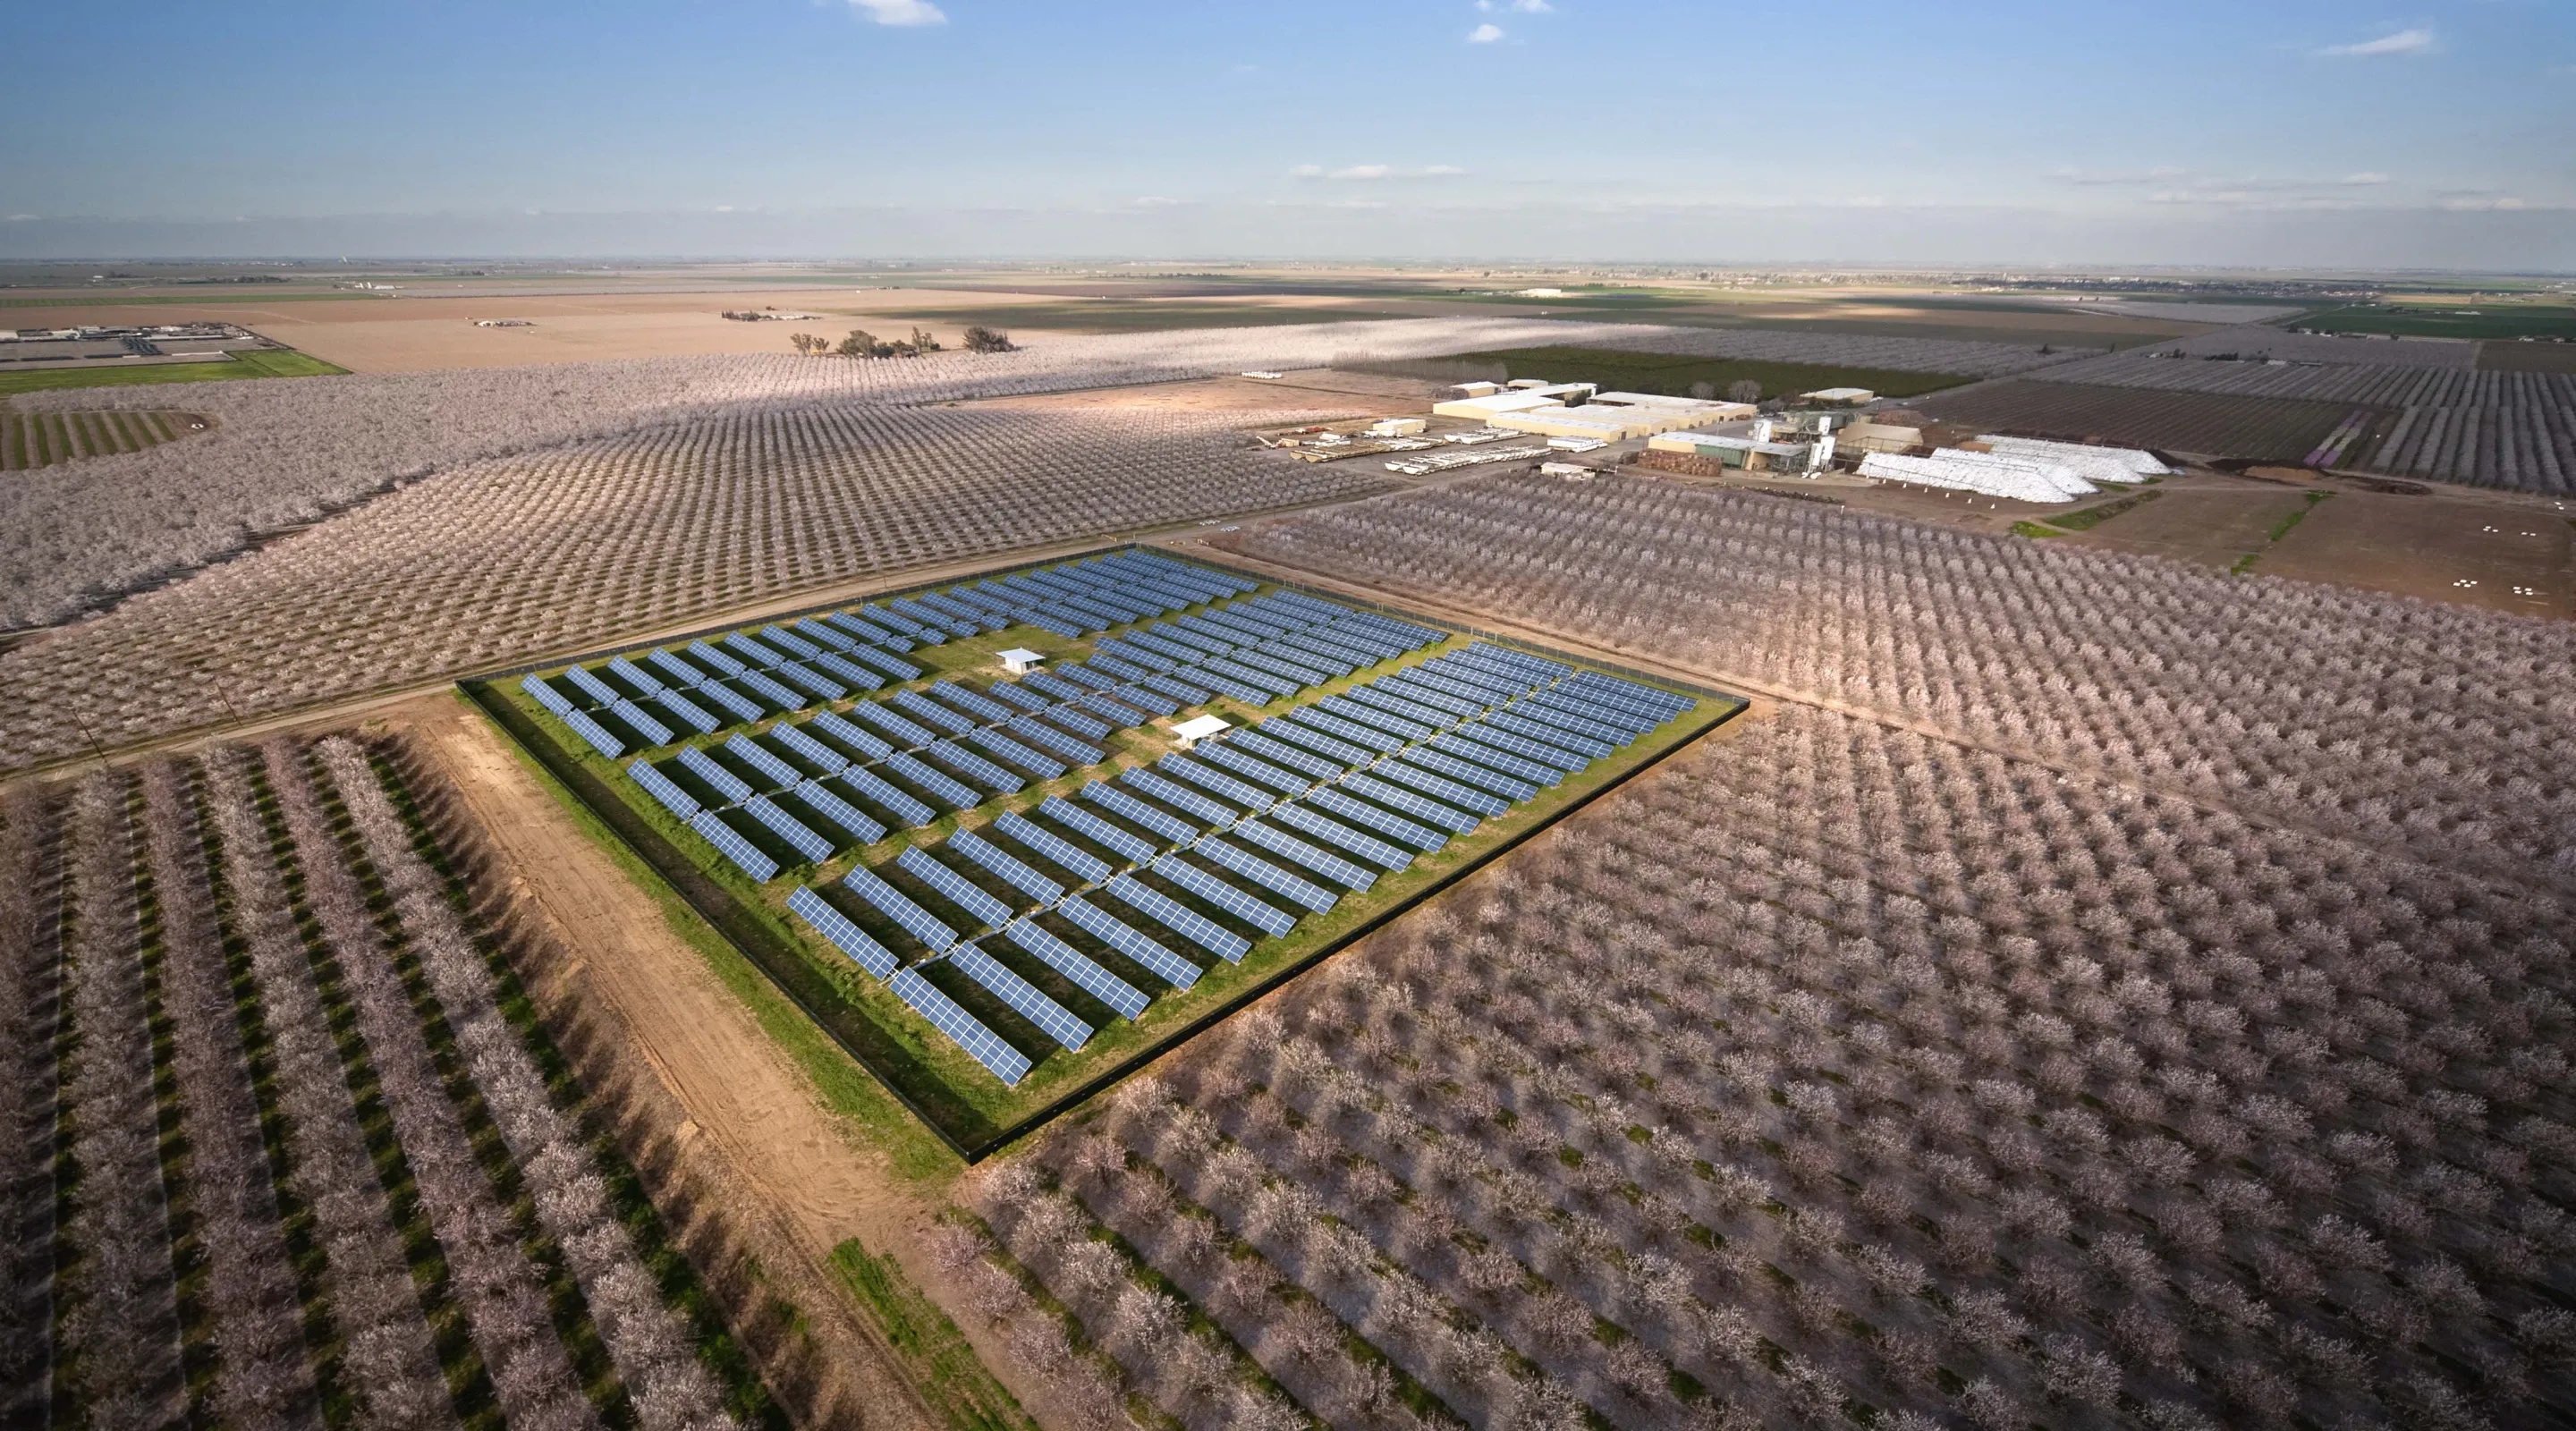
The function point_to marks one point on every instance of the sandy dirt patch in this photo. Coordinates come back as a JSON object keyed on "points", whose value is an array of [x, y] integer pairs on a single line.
{"points": [[2425, 546], [2207, 526]]}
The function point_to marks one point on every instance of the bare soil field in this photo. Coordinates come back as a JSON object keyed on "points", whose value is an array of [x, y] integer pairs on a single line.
{"points": [[1362, 394], [2425, 546], [2527, 357], [2273, 428], [2209, 526]]}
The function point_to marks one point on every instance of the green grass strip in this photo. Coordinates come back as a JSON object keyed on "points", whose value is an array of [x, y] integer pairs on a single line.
{"points": [[946, 1370]]}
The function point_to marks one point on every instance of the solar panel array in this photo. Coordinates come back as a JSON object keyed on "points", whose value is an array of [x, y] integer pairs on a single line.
{"points": [[958, 890], [1036, 941], [746, 856], [964, 1029], [836, 928], [1024, 998]]}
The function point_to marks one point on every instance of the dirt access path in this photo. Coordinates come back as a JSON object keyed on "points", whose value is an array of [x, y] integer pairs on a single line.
{"points": [[743, 1123]]}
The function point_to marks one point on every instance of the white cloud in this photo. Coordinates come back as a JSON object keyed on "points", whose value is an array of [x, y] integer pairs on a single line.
{"points": [[1363, 171], [1484, 34], [1442, 171], [2366, 176], [2483, 203], [1366, 173], [2402, 42], [900, 12]]}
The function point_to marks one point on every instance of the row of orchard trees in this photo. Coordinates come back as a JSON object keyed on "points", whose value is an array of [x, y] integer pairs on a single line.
{"points": [[2405, 723], [1837, 1074], [280, 1158]]}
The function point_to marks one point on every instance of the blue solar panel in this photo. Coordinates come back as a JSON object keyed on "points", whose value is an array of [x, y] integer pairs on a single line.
{"points": [[806, 748], [1628, 695], [1127, 807], [1297, 889], [930, 618], [937, 786], [1563, 705], [964, 1029], [1419, 836], [1397, 798], [1447, 792], [985, 602], [1280, 753], [643, 681], [1266, 687], [1222, 754], [1584, 747], [1179, 797], [1505, 657], [1024, 998], [1268, 918], [1423, 693], [1140, 696], [1047, 738], [741, 747], [1323, 862], [1428, 717], [851, 736], [975, 768], [1533, 752], [1376, 719], [850, 672], [592, 686], [1485, 697], [894, 904], [1004, 748], [821, 637], [958, 890], [1333, 832], [1240, 624], [1001, 865], [1309, 651], [1341, 753], [1100, 832], [1179, 690], [787, 827], [904, 732], [755, 652], [734, 702], [653, 731], [658, 785], [782, 639], [689, 711], [930, 712], [1333, 725], [1049, 683], [681, 672], [955, 612], [893, 801], [819, 797], [1128, 940], [1493, 782], [1272, 663], [715, 660], [774, 693], [1178, 918], [1129, 661], [1081, 674], [1484, 753], [729, 842], [899, 669], [1216, 782], [1090, 718], [1020, 699], [1488, 682], [973, 703], [1183, 633], [546, 696], [596, 734], [1053, 848], [881, 628], [836, 927], [724, 782]]}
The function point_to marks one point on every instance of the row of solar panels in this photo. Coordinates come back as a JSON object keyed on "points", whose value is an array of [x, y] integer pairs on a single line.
{"points": [[1081, 598], [1258, 651], [1293, 807]]}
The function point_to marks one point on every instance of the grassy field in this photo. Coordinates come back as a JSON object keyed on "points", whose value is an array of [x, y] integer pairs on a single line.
{"points": [[252, 363], [44, 438], [1674, 376], [2452, 318], [943, 1086]]}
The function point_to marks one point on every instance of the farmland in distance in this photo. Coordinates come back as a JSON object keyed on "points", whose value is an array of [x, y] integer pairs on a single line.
{"points": [[2211, 424]]}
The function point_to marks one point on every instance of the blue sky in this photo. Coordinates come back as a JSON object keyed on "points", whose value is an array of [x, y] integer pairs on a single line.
{"points": [[2022, 132]]}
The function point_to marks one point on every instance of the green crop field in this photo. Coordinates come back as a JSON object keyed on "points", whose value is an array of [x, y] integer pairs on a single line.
{"points": [[2451, 319], [251, 363], [1672, 376], [965, 1104]]}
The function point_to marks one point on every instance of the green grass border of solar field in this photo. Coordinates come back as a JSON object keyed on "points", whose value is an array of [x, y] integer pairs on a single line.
{"points": [[905, 1058]]}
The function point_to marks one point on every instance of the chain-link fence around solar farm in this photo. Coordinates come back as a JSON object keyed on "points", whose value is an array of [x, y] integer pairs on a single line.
{"points": [[1019, 882]]}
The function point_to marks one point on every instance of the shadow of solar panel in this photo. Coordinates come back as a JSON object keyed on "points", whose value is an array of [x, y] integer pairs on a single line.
{"points": [[1179, 797], [689, 712], [774, 693], [929, 712], [1134, 943], [1485, 732], [978, 904], [823, 802], [894, 904], [1447, 792], [722, 781], [1295, 888], [1405, 802], [1485, 753], [890, 664], [1121, 843], [963, 1029], [1024, 998], [841, 934], [1054, 849], [547, 696], [1000, 864], [1407, 832], [746, 856], [1179, 918], [1216, 782], [658, 785], [886, 797], [930, 782], [1493, 782], [904, 733], [1172, 828], [779, 773], [975, 768], [1284, 731], [1274, 779], [850, 672], [787, 827], [1268, 918], [715, 660], [639, 721], [806, 748], [1003, 748], [755, 653], [1580, 747]]}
